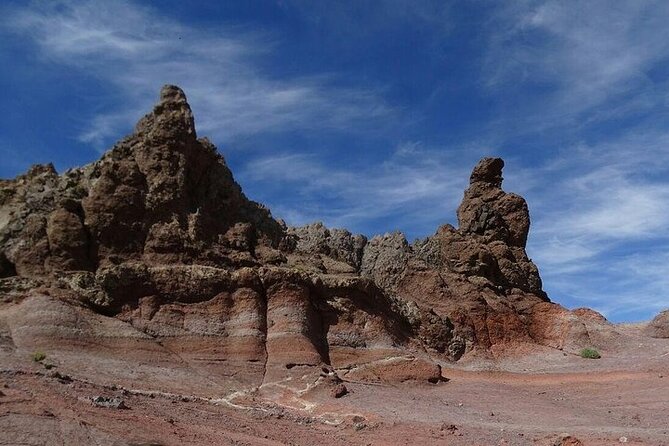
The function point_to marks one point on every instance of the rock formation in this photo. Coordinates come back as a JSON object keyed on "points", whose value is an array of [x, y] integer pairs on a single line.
{"points": [[157, 240], [659, 326]]}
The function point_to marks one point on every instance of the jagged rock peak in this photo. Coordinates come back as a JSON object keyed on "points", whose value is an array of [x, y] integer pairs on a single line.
{"points": [[489, 211], [172, 93], [488, 170], [171, 116]]}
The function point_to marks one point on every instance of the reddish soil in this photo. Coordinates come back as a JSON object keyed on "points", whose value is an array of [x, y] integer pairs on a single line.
{"points": [[622, 398]]}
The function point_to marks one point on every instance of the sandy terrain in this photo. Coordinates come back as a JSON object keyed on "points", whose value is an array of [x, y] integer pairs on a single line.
{"points": [[541, 397]]}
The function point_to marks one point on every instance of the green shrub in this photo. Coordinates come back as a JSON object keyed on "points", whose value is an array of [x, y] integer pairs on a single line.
{"points": [[39, 356], [590, 353]]}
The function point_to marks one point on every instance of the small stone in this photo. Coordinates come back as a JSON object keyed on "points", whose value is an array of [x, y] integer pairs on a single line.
{"points": [[109, 402], [567, 440], [61, 377], [338, 391], [450, 428], [622, 439]]}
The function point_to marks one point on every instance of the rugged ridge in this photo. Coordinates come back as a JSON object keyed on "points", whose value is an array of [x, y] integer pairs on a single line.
{"points": [[158, 237]]}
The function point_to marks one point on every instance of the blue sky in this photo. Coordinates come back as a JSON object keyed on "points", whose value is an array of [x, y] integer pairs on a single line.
{"points": [[370, 114]]}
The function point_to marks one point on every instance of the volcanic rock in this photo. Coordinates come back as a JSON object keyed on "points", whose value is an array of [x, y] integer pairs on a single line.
{"points": [[109, 402], [568, 440], [659, 326], [338, 391], [155, 251], [477, 277]]}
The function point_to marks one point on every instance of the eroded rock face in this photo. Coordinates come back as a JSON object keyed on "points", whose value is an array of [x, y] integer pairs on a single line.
{"points": [[477, 276], [163, 195], [157, 235], [659, 326]]}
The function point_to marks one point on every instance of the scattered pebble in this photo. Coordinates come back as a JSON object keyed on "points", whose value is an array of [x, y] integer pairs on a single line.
{"points": [[62, 378], [110, 402], [622, 439], [450, 428]]}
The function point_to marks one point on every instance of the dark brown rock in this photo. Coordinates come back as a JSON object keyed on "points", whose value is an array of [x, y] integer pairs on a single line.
{"points": [[164, 195], [158, 234], [338, 391], [477, 277], [6, 267], [488, 211], [68, 240]]}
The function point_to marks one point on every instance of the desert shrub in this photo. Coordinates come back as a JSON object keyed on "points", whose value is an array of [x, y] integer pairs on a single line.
{"points": [[590, 353], [39, 356]]}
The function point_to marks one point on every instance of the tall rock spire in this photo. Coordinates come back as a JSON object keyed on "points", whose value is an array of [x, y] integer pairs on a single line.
{"points": [[171, 118], [490, 212]]}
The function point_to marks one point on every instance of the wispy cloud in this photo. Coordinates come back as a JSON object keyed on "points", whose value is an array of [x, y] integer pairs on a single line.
{"points": [[578, 57], [365, 20], [136, 50], [604, 192], [585, 80], [415, 189], [602, 212], [578, 107]]}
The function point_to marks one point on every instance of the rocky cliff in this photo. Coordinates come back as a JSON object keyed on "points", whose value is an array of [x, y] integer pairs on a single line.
{"points": [[158, 237]]}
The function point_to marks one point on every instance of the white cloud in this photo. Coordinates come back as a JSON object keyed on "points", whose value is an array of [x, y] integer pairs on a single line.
{"points": [[415, 189], [600, 209], [136, 50], [586, 60], [582, 79], [601, 232]]}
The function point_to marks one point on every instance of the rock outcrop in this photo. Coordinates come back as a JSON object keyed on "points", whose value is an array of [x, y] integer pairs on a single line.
{"points": [[159, 237], [659, 326], [478, 276]]}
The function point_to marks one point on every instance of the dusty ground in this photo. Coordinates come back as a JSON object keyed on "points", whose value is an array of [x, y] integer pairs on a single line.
{"points": [[526, 399]]}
